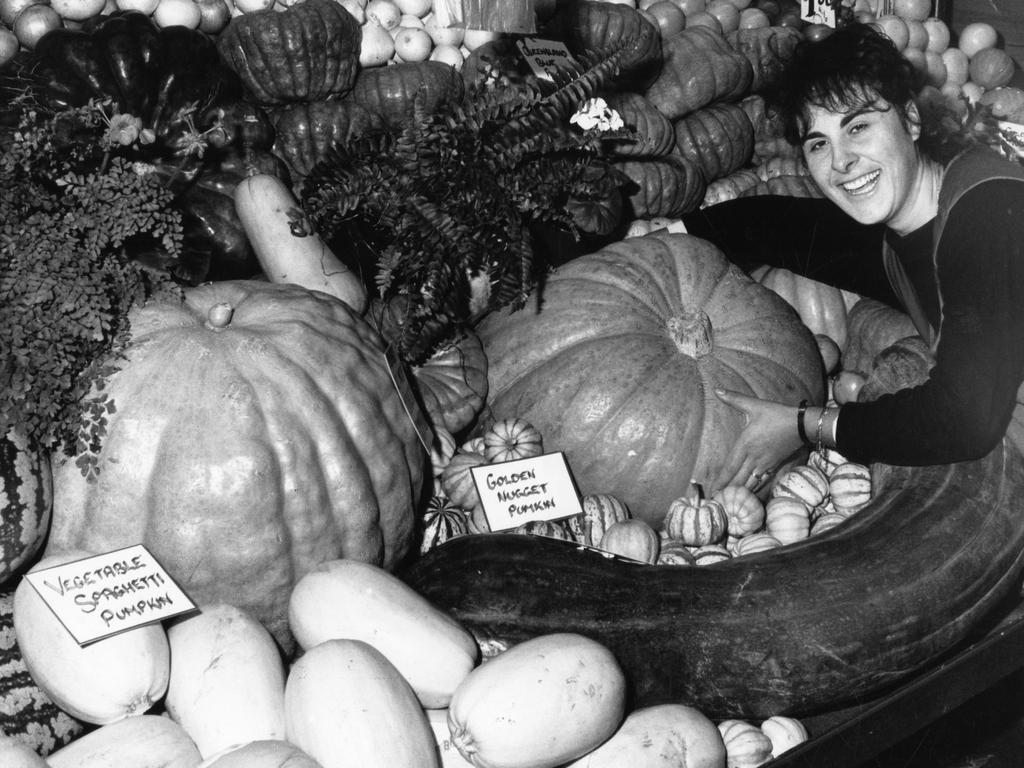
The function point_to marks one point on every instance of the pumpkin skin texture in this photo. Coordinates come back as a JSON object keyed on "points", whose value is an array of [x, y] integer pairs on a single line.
{"points": [[822, 307], [661, 186], [307, 52], [617, 367], [654, 133], [718, 139], [245, 455], [871, 327], [700, 68], [391, 93], [452, 383], [768, 49], [803, 603], [306, 131], [26, 499]]}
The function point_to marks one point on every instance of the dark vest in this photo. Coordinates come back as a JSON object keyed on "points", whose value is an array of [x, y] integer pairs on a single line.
{"points": [[966, 171]]}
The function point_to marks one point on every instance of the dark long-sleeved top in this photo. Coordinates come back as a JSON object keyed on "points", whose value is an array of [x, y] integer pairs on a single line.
{"points": [[964, 408]]}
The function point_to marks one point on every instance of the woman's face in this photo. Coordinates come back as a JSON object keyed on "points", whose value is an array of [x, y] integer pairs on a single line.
{"points": [[865, 160]]}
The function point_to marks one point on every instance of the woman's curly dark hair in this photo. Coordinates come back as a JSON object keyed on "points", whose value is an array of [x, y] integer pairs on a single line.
{"points": [[853, 67]]}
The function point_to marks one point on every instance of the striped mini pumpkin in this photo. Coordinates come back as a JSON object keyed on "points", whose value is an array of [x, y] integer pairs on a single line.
{"points": [[634, 539], [850, 487], [744, 512], [26, 501], [827, 522], [457, 479], [787, 519], [442, 521], [710, 554], [806, 483], [826, 460], [675, 552], [696, 521], [755, 542], [553, 529], [600, 512], [746, 745], [511, 439]]}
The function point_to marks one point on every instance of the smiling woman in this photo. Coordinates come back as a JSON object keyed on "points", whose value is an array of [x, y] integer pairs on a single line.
{"points": [[914, 215]]}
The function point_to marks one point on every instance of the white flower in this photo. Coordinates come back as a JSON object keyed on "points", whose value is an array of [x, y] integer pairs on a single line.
{"points": [[595, 113]]}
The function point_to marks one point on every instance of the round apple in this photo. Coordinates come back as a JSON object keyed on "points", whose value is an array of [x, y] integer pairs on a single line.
{"points": [[447, 54], [690, 7], [417, 8], [895, 28], [771, 8], [474, 38], [917, 35], [142, 6], [916, 57], [668, 17], [214, 15], [77, 10], [704, 19], [938, 34], [754, 18], [9, 9], [977, 36], [846, 386], [384, 12], [918, 10], [413, 44], [377, 46], [991, 68], [728, 15], [817, 32], [184, 13], [9, 46], [34, 22]]}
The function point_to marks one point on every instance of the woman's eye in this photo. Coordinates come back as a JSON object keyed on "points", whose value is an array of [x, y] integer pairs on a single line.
{"points": [[814, 146], [858, 127]]}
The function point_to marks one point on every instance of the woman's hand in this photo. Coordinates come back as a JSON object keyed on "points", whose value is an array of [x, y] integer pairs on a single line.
{"points": [[768, 439]]}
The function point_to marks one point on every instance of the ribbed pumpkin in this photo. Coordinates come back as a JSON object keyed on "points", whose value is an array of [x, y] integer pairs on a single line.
{"points": [[822, 307], [553, 529], [391, 93], [710, 554], [903, 364], [306, 52], [258, 432], [805, 483], [784, 733], [718, 139], [442, 521], [787, 519], [600, 511], [452, 383], [826, 460], [850, 488], [661, 187], [307, 130], [872, 326], [695, 521], [591, 28], [632, 538], [654, 133], [746, 746], [675, 552], [511, 439], [26, 499], [457, 480], [768, 49], [615, 367], [743, 510], [700, 67], [755, 542]]}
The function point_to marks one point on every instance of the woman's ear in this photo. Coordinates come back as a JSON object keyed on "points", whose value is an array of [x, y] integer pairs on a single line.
{"points": [[913, 120]]}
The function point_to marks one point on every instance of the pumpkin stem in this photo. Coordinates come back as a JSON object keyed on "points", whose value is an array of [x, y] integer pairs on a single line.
{"points": [[219, 315], [691, 333]]}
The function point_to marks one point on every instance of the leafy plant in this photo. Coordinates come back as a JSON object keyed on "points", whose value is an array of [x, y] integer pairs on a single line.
{"points": [[72, 200], [438, 214]]}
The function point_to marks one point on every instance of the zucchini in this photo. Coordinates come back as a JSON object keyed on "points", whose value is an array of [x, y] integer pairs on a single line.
{"points": [[798, 630]]}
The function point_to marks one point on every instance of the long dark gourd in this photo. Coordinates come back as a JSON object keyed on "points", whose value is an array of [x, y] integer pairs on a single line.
{"points": [[797, 630]]}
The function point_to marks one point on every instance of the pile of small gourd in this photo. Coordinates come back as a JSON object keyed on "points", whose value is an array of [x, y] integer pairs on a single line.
{"points": [[803, 501], [384, 679]]}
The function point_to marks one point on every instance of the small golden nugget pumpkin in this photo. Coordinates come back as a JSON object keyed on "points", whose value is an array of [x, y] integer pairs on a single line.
{"points": [[258, 432], [617, 366]]}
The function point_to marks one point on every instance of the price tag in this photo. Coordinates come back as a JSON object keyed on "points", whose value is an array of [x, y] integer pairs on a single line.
{"points": [[549, 60], [102, 595], [525, 490], [819, 11]]}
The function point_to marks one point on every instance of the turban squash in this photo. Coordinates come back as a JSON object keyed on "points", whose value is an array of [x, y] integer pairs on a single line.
{"points": [[258, 431], [617, 366]]}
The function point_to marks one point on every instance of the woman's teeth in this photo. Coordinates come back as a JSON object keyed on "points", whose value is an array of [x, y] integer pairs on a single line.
{"points": [[862, 184]]}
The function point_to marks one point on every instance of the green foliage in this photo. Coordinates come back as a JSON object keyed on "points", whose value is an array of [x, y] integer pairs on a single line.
{"points": [[70, 203], [446, 204]]}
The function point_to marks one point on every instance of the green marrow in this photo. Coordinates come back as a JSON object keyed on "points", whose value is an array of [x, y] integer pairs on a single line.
{"points": [[810, 627]]}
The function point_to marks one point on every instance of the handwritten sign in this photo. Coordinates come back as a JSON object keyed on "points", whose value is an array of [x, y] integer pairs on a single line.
{"points": [[549, 60], [450, 755], [100, 596], [524, 490], [819, 11]]}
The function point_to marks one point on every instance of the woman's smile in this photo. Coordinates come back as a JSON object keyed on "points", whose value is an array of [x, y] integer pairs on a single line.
{"points": [[862, 185]]}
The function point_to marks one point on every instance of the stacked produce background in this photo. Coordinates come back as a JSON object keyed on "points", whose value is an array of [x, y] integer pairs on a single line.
{"points": [[269, 293]]}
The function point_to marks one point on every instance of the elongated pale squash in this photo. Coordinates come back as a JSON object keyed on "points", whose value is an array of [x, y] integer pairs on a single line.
{"points": [[288, 249], [227, 679], [146, 741], [346, 706], [662, 736], [539, 704], [359, 601], [271, 753], [108, 680]]}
